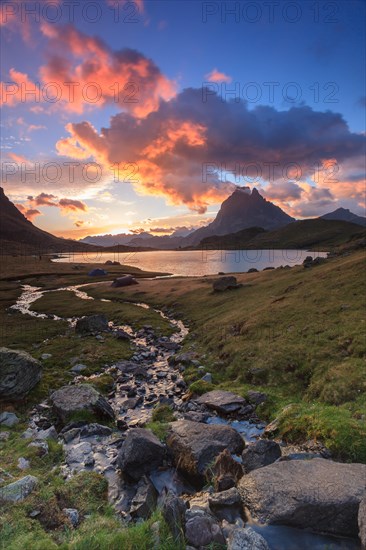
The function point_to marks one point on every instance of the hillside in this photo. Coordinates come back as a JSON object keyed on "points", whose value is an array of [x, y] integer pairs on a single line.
{"points": [[315, 233], [19, 235], [345, 215]]}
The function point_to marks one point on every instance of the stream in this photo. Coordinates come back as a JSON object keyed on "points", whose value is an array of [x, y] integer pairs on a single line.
{"points": [[142, 382]]}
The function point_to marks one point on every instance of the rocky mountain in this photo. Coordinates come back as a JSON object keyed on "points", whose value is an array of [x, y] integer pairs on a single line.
{"points": [[17, 234], [242, 210], [344, 214]]}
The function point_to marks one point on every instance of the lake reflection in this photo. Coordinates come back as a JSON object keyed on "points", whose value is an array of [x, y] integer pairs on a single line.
{"points": [[198, 262]]}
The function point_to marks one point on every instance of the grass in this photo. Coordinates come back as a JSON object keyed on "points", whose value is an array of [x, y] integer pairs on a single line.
{"points": [[297, 334]]}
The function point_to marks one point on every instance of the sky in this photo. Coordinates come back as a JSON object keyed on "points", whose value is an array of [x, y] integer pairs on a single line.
{"points": [[125, 116]]}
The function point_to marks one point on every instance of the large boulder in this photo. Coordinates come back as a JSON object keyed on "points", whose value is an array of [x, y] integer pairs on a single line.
{"points": [[97, 272], [18, 490], [259, 454], [126, 280], [140, 453], [225, 402], [225, 283], [75, 399], [195, 445], [246, 539], [144, 502], [92, 324], [362, 522], [19, 373], [317, 494]]}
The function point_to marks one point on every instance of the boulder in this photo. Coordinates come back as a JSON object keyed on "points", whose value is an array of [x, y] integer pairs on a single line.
{"points": [[195, 445], [317, 494], [261, 453], [224, 402], [19, 373], [203, 530], [83, 397], [227, 471], [225, 283], [8, 419], [246, 539], [173, 511], [18, 490], [126, 280], [140, 453], [144, 502], [97, 273], [362, 522], [91, 324]]}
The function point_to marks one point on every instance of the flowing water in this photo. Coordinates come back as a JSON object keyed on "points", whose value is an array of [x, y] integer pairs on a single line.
{"points": [[145, 380]]}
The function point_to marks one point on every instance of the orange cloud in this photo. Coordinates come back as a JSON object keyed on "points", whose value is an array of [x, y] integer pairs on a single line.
{"points": [[29, 213], [70, 205], [217, 76]]}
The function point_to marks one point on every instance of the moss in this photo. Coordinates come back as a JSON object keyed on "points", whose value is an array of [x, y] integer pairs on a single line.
{"points": [[200, 387], [163, 413]]}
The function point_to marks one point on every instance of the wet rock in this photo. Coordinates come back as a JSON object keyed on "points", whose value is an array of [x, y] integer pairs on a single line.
{"points": [[203, 530], [227, 471], [83, 397], [140, 453], [126, 280], [225, 402], [18, 490], [195, 445], [196, 416], [91, 324], [174, 510], [246, 539], [80, 456], [19, 373], [261, 453], [72, 515], [8, 419], [362, 522], [226, 504], [144, 502], [225, 283], [317, 494]]}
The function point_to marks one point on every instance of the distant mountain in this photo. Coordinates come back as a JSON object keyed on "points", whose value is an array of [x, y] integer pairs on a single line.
{"points": [[113, 240], [305, 234], [242, 210], [17, 234], [345, 215]]}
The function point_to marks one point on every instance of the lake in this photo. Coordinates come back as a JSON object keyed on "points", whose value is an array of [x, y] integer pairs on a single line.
{"points": [[197, 262]]}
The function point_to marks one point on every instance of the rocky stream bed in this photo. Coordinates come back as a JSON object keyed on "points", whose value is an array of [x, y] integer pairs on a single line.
{"points": [[218, 477]]}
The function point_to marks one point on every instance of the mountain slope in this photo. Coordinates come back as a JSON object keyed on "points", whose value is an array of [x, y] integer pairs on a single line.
{"points": [[17, 234], [314, 233], [345, 215]]}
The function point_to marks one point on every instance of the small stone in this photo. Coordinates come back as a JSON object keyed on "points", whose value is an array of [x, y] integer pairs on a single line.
{"points": [[8, 419], [207, 378], [23, 463], [42, 447], [4, 436], [73, 516], [46, 356], [50, 433], [78, 368]]}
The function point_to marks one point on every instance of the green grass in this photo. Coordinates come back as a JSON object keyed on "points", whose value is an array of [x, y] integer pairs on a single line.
{"points": [[296, 334]]}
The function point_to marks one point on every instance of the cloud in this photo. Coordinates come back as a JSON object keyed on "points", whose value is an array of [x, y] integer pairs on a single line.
{"points": [[182, 150], [217, 76], [70, 205], [85, 73], [29, 213]]}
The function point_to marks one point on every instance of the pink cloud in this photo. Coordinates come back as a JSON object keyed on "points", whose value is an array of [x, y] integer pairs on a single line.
{"points": [[217, 76]]}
